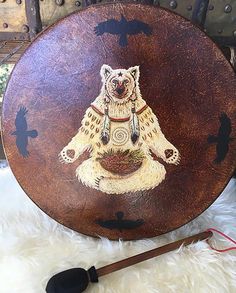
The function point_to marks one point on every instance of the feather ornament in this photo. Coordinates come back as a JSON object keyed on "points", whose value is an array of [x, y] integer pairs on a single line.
{"points": [[105, 134], [134, 125]]}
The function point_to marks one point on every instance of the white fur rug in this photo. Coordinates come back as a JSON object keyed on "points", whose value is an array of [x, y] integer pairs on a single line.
{"points": [[34, 247]]}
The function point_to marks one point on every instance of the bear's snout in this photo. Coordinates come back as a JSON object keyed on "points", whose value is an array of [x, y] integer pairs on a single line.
{"points": [[120, 90]]}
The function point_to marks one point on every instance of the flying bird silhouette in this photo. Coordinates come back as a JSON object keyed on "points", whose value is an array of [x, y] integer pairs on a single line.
{"points": [[123, 28], [223, 138], [21, 133], [120, 223]]}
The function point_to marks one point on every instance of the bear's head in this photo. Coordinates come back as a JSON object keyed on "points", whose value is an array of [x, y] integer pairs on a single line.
{"points": [[120, 85]]}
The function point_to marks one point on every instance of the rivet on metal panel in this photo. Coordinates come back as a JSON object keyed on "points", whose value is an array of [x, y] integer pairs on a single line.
{"points": [[59, 2], [78, 3], [25, 28], [173, 4], [5, 25], [189, 7], [211, 7], [228, 8], [220, 31]]}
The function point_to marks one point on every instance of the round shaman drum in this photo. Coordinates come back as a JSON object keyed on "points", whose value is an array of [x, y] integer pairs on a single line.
{"points": [[120, 121]]}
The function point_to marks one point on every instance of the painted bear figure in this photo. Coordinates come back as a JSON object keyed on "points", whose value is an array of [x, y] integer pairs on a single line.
{"points": [[119, 129]]}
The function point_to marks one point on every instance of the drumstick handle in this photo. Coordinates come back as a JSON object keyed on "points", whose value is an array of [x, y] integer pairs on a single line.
{"points": [[151, 253]]}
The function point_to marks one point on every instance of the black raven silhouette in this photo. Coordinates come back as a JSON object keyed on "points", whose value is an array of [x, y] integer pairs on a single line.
{"points": [[120, 224], [122, 28], [223, 138], [22, 133]]}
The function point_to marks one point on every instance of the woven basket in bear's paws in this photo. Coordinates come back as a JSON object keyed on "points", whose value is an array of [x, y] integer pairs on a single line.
{"points": [[121, 162]]}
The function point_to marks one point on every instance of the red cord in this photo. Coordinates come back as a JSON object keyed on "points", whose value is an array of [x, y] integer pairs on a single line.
{"points": [[225, 236]]}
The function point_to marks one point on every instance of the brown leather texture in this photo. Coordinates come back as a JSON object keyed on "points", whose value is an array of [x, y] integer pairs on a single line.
{"points": [[184, 79]]}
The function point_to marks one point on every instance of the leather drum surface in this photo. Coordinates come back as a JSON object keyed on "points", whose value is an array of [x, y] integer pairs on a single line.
{"points": [[120, 121]]}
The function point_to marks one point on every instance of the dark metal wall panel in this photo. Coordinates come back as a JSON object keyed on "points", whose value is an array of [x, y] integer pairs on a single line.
{"points": [[22, 20], [12, 15], [220, 17]]}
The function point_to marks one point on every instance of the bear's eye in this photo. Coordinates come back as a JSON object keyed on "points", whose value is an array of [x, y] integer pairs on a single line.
{"points": [[126, 81], [115, 81]]}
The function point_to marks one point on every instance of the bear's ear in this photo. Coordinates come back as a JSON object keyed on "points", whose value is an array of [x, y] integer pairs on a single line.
{"points": [[134, 71], [105, 72]]}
